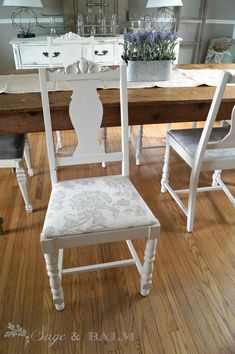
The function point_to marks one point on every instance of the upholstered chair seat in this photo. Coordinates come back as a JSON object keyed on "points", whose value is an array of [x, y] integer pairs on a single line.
{"points": [[12, 149], [189, 139], [94, 205], [12, 146]]}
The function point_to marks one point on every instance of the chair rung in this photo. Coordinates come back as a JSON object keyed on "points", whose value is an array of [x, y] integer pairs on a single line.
{"points": [[99, 266], [226, 191], [176, 198], [134, 143], [153, 146], [200, 189]]}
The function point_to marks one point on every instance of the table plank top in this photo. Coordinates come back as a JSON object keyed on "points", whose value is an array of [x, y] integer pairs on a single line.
{"points": [[23, 112], [31, 102]]}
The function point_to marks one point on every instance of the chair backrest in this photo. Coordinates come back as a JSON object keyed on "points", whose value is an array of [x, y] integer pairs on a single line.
{"points": [[229, 140], [86, 113]]}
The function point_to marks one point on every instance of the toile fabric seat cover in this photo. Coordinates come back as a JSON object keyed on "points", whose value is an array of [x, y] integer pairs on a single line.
{"points": [[12, 146], [94, 205], [189, 140]]}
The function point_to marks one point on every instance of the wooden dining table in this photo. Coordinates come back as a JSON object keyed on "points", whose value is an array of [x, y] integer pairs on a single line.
{"points": [[22, 112]]}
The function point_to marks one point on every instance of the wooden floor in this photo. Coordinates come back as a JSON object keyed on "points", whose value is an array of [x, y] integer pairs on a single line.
{"points": [[191, 307]]}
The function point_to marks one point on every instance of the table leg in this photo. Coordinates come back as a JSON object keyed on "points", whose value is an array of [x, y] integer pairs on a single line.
{"points": [[1, 226]]}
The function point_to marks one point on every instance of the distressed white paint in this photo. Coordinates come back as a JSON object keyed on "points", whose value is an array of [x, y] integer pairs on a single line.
{"points": [[86, 113]]}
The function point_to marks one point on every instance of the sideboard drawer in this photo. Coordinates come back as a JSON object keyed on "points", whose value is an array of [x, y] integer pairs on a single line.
{"points": [[103, 53], [39, 55], [49, 52]]}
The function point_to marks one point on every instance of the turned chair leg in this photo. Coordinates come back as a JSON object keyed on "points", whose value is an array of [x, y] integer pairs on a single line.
{"points": [[55, 281], [59, 140], [146, 275], [21, 179], [104, 142], [27, 157], [216, 174], [166, 168], [139, 144]]}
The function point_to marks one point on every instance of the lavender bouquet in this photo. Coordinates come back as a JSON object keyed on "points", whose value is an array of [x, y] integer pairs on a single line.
{"points": [[147, 45]]}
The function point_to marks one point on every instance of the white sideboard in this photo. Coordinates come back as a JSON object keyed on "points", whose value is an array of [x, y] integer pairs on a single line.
{"points": [[37, 52]]}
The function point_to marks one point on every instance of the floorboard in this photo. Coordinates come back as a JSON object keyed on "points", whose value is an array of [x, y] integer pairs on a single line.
{"points": [[191, 307]]}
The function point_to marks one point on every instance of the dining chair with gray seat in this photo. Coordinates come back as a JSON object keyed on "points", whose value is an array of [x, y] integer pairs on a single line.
{"points": [[207, 149]]}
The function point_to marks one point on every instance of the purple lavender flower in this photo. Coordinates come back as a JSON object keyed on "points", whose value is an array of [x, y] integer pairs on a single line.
{"points": [[141, 36], [149, 45], [173, 36], [163, 35], [152, 36], [129, 37]]}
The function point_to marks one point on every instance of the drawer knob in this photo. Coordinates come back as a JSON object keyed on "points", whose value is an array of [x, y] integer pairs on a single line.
{"points": [[54, 55], [101, 54]]}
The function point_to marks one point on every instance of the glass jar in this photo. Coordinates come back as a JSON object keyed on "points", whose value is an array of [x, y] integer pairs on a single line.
{"points": [[80, 25]]}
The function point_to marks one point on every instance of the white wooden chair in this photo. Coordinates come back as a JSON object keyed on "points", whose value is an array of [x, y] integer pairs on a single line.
{"points": [[12, 149], [93, 210], [203, 150]]}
